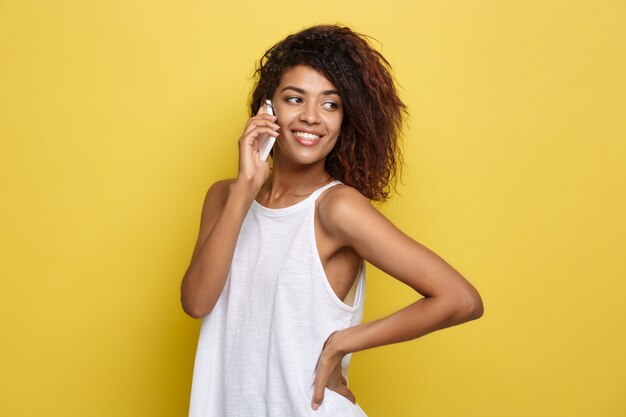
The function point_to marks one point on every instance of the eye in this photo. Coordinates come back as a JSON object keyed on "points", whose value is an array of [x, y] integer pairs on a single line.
{"points": [[330, 105], [294, 99]]}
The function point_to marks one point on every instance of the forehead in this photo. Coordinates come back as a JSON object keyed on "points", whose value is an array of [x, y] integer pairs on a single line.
{"points": [[305, 78]]}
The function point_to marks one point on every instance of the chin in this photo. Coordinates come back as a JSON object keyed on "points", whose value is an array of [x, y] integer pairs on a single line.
{"points": [[307, 159], [304, 156]]}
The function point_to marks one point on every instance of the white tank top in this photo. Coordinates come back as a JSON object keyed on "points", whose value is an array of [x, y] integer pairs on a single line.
{"points": [[258, 348]]}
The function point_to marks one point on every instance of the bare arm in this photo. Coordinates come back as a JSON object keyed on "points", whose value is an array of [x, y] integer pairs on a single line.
{"points": [[449, 299], [225, 207], [224, 210]]}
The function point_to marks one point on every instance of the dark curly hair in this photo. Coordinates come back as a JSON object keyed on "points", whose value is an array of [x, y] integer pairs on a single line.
{"points": [[366, 156]]}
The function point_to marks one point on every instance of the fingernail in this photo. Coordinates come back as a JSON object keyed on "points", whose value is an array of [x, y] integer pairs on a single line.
{"points": [[316, 406]]}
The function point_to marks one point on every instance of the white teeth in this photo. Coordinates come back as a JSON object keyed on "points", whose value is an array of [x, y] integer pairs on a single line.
{"points": [[306, 136]]}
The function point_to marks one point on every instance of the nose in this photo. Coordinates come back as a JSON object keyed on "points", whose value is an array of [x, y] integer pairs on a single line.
{"points": [[309, 114]]}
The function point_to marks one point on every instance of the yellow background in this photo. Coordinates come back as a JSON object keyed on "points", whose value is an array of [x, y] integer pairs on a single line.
{"points": [[117, 115]]}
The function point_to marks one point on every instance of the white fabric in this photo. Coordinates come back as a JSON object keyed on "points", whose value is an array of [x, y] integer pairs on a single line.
{"points": [[258, 348]]}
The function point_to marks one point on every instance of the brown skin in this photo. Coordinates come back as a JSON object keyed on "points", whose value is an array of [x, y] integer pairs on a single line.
{"points": [[449, 299]]}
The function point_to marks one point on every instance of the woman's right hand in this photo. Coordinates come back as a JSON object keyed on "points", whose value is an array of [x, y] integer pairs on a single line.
{"points": [[251, 169]]}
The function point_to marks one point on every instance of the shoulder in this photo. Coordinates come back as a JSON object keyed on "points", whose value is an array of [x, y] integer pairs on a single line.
{"points": [[219, 191], [341, 199], [216, 196], [342, 208]]}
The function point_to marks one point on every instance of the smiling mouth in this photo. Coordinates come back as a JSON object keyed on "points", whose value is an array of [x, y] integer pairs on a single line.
{"points": [[306, 136]]}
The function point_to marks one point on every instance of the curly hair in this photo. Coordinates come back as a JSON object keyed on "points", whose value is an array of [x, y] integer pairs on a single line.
{"points": [[366, 155]]}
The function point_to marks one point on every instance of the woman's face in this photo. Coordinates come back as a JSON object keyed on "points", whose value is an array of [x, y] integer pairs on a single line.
{"points": [[309, 112]]}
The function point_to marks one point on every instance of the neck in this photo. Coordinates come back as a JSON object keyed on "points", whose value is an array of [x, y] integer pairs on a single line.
{"points": [[289, 181]]}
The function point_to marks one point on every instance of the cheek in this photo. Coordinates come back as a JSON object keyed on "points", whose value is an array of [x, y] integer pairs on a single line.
{"points": [[336, 123], [284, 116]]}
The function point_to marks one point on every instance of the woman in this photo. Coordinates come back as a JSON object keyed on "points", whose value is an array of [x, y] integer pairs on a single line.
{"points": [[278, 273]]}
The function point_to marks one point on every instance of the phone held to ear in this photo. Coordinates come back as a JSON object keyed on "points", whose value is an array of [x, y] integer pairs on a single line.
{"points": [[266, 141]]}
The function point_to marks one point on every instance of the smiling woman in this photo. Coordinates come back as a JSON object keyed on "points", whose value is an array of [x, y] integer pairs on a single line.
{"points": [[372, 108], [310, 113], [277, 274]]}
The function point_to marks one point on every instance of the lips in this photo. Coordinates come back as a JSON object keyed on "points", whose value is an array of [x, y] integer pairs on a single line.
{"points": [[305, 138]]}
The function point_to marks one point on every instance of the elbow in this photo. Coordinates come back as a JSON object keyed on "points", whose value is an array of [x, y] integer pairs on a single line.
{"points": [[469, 306], [193, 304], [476, 308], [194, 309], [195, 312]]}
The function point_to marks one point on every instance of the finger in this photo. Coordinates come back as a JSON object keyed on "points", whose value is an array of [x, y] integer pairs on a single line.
{"points": [[263, 116], [253, 139], [345, 391], [254, 135], [321, 378], [318, 396], [261, 108], [256, 122]]}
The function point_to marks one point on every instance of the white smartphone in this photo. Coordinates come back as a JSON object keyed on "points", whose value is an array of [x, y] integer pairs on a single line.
{"points": [[266, 141]]}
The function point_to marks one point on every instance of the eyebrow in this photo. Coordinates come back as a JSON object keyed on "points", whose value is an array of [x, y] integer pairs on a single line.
{"points": [[301, 91]]}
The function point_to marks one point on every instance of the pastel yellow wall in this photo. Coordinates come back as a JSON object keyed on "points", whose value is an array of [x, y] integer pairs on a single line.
{"points": [[117, 115]]}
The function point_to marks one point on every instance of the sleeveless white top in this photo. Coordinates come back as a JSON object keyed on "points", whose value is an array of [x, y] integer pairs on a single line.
{"points": [[259, 347]]}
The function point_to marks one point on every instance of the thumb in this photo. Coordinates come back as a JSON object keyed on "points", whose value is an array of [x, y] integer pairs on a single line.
{"points": [[319, 384], [318, 396]]}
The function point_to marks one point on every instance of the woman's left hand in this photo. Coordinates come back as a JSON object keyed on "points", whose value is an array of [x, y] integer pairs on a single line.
{"points": [[328, 372]]}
